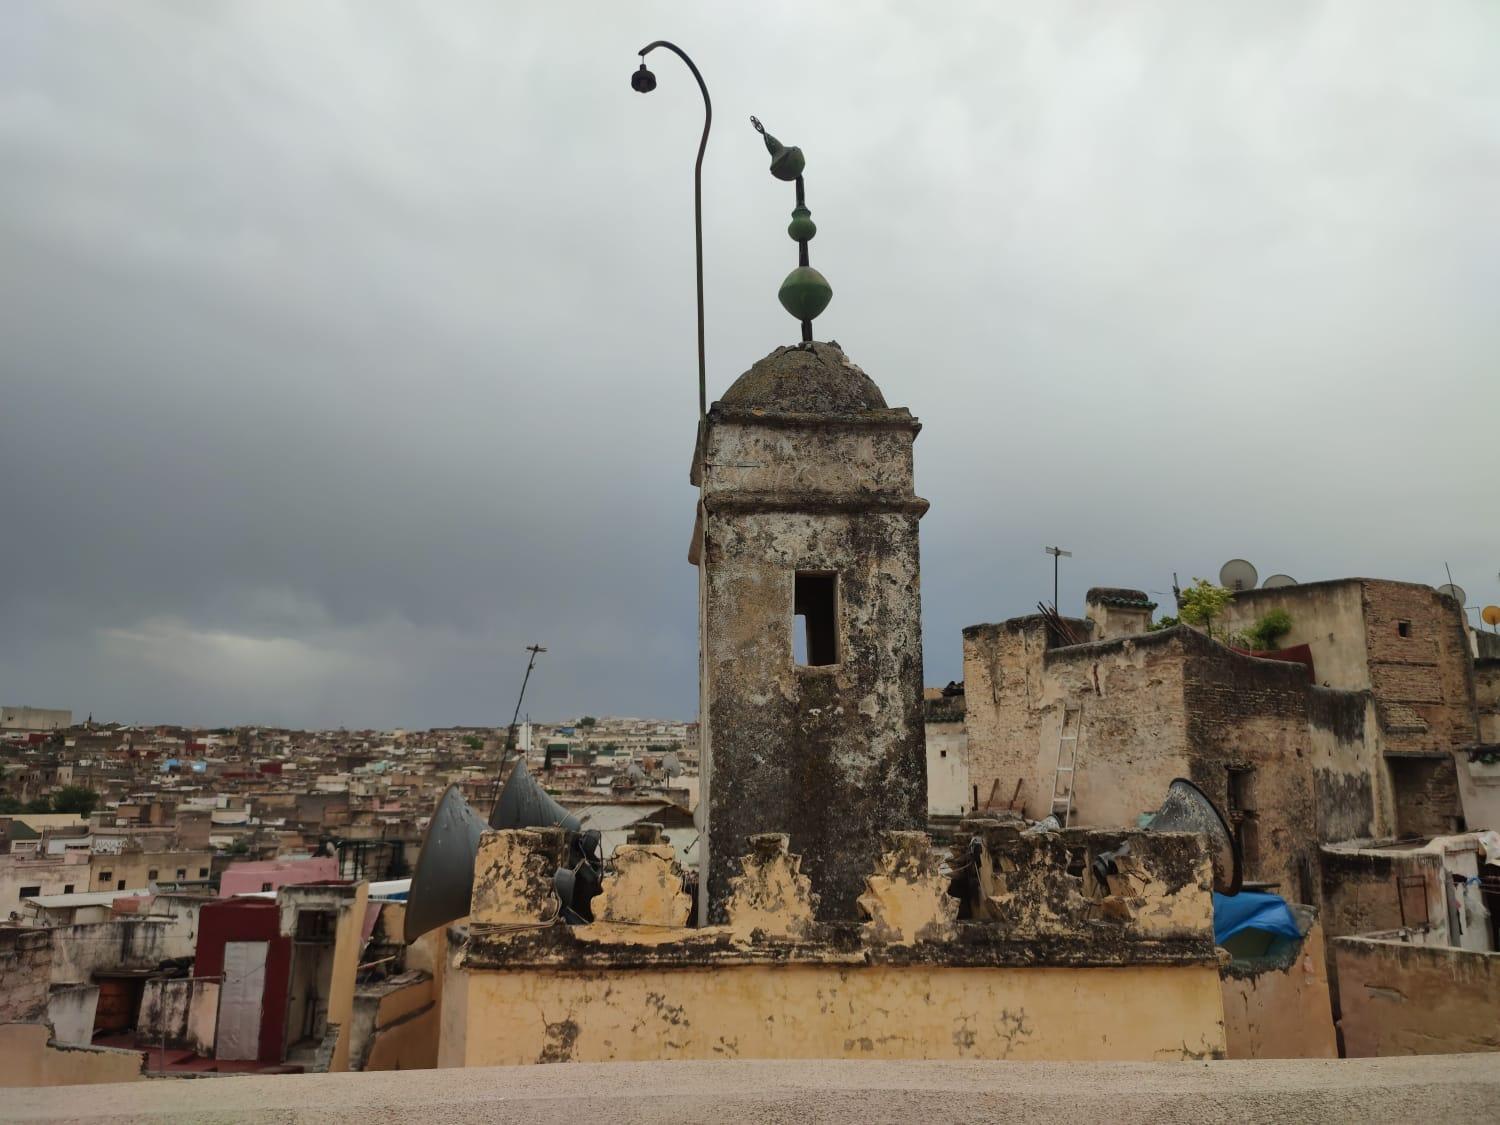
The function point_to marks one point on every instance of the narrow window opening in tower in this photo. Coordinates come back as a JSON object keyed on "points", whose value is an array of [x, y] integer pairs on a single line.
{"points": [[815, 635]]}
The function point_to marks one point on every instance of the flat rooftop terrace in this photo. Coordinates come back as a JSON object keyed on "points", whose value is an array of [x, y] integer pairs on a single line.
{"points": [[1428, 1087]]}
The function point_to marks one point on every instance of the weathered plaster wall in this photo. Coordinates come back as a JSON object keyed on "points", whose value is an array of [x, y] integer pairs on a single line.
{"points": [[25, 969], [396, 1025], [1487, 698], [1478, 790], [1133, 734], [949, 791], [1401, 999], [812, 1011], [1049, 964], [28, 1058], [1362, 891], [1351, 782], [826, 492], [1328, 617], [177, 1008], [78, 952], [1282, 1011], [453, 1006], [70, 1011]]}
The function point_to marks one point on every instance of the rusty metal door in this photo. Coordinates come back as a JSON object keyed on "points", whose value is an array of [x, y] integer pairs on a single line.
{"points": [[240, 1000]]}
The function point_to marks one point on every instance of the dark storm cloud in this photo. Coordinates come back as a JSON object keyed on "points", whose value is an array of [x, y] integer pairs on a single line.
{"points": [[348, 348]]}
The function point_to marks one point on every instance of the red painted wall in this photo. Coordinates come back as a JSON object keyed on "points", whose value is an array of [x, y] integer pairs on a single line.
{"points": [[250, 919]]}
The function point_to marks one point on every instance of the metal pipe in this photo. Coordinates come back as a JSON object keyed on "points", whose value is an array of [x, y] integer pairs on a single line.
{"points": [[708, 119]]}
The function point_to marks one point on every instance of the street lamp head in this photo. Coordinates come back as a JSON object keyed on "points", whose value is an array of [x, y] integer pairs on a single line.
{"points": [[643, 81]]}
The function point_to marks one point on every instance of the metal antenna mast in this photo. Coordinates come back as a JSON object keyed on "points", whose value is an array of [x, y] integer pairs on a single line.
{"points": [[510, 736], [1057, 554]]}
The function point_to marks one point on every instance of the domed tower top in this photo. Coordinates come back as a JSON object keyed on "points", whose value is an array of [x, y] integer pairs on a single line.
{"points": [[811, 378]]}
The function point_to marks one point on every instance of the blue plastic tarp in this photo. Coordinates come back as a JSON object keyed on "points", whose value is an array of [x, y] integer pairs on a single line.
{"points": [[1252, 910]]}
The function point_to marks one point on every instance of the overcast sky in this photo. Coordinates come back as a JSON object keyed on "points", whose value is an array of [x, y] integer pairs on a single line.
{"points": [[347, 348]]}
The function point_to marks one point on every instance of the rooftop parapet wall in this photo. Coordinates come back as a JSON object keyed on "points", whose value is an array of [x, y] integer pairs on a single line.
{"points": [[1403, 999], [1132, 971], [1004, 898]]}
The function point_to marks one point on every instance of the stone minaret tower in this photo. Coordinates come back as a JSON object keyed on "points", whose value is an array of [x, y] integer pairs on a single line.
{"points": [[810, 622]]}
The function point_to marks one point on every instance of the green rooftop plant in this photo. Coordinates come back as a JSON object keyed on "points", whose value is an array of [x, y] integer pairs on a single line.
{"points": [[1266, 633], [1202, 602]]}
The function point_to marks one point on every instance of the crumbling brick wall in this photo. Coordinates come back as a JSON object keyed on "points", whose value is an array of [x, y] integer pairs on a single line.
{"points": [[1419, 667], [25, 971], [1250, 717], [1427, 801]]}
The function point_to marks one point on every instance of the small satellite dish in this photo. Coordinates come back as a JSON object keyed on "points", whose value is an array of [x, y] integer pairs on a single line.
{"points": [[1490, 615], [1237, 574], [1277, 581], [1448, 589]]}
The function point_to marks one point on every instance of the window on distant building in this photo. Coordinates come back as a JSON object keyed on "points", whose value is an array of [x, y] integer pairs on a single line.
{"points": [[30, 892], [265, 886], [1404, 628], [120, 886], [203, 873], [106, 876], [151, 874], [182, 872], [815, 601], [67, 888]]}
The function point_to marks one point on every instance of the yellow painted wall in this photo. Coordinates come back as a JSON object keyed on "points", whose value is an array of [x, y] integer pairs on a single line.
{"points": [[1283, 1013], [407, 1046], [346, 948], [27, 1059], [1148, 1012]]}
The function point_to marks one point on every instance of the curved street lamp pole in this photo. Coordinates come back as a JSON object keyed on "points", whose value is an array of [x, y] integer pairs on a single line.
{"points": [[643, 81]]}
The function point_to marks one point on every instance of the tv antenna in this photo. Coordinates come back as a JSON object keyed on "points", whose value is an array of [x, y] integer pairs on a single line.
{"points": [[510, 735], [1490, 615], [1237, 574], [1277, 581], [1057, 553]]}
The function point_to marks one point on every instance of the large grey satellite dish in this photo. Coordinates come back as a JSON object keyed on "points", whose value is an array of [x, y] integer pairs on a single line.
{"points": [[1454, 592], [1237, 574], [1277, 581]]}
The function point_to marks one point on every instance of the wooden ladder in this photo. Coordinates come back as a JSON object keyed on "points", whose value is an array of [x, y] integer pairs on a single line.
{"points": [[1066, 765]]}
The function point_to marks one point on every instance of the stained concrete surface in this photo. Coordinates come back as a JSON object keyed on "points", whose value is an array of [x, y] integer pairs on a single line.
{"points": [[1447, 1087]]}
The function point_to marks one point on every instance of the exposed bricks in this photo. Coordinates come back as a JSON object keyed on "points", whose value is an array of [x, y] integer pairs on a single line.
{"points": [[1427, 802]]}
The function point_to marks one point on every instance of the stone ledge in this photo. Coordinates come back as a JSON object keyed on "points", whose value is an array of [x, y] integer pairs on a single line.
{"points": [[974, 945], [1450, 1087]]}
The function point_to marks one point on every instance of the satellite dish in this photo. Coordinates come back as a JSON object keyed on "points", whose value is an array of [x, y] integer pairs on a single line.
{"points": [[1277, 581], [1237, 574], [1186, 808], [1490, 615], [1448, 589]]}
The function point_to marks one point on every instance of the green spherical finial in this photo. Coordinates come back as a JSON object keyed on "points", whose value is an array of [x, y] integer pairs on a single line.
{"points": [[805, 293], [786, 163], [802, 228]]}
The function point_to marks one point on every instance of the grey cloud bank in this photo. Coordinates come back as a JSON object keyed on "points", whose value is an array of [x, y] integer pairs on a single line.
{"points": [[349, 348]]}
